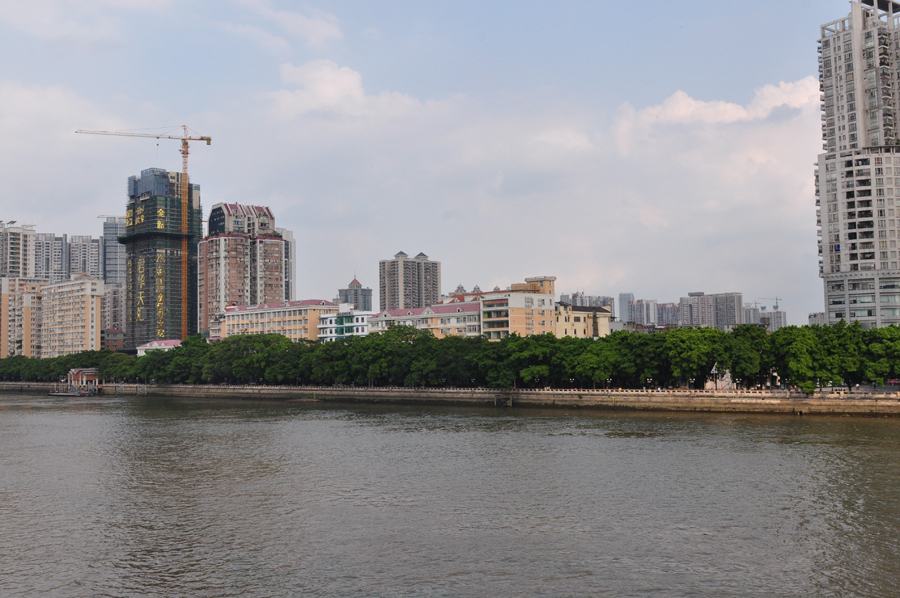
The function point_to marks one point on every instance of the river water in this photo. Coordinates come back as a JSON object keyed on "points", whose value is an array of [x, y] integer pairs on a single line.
{"points": [[155, 497]]}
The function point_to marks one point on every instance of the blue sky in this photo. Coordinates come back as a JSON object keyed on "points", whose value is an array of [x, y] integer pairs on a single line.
{"points": [[655, 148]]}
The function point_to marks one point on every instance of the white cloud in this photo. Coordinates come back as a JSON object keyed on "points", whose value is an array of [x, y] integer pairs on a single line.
{"points": [[325, 86], [687, 195], [86, 20], [317, 30], [267, 41], [681, 109]]}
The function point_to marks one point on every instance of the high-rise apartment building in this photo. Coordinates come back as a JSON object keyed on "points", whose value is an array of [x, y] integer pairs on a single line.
{"points": [[71, 316], [357, 296], [290, 264], [772, 319], [719, 310], [644, 311], [858, 172], [114, 307], [625, 313], [241, 261], [153, 267], [668, 314], [51, 257], [20, 317], [86, 255], [16, 250], [406, 282], [114, 254]]}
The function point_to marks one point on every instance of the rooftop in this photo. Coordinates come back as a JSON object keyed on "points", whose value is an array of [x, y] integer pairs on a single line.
{"points": [[280, 304]]}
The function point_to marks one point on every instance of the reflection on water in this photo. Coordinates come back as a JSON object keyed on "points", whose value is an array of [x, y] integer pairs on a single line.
{"points": [[143, 496]]}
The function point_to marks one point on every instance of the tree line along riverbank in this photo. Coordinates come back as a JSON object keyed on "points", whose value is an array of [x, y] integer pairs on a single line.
{"points": [[804, 356]]}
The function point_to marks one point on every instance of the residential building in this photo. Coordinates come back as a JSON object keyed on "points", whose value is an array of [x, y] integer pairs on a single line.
{"points": [[856, 186], [644, 311], [20, 317], [114, 307], [461, 318], [112, 339], [697, 309], [161, 282], [581, 321], [346, 322], [357, 296], [624, 308], [581, 300], [71, 316], [290, 264], [751, 314], [729, 310], [525, 309], [86, 256], [241, 262], [406, 282], [772, 319], [297, 320], [16, 250], [720, 310], [817, 319], [241, 219], [51, 257], [668, 314], [115, 258]]}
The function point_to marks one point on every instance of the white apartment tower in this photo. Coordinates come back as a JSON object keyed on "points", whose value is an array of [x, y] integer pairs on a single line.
{"points": [[858, 174]]}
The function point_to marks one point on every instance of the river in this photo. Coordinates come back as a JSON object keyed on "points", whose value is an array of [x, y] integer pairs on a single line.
{"points": [[157, 497]]}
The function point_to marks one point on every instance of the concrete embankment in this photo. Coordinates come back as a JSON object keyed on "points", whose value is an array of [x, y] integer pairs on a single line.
{"points": [[856, 403], [32, 387]]}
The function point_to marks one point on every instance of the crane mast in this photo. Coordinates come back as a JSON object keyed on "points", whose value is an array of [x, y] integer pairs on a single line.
{"points": [[185, 150]]}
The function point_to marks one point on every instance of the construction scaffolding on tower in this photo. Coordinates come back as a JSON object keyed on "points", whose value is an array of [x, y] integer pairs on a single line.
{"points": [[154, 221]]}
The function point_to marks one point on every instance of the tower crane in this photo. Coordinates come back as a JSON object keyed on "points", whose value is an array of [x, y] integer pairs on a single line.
{"points": [[184, 204]]}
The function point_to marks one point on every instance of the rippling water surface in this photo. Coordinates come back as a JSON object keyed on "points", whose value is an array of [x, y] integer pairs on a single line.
{"points": [[140, 496]]}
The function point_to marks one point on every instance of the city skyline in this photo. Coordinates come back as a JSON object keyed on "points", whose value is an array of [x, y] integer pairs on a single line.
{"points": [[324, 117]]}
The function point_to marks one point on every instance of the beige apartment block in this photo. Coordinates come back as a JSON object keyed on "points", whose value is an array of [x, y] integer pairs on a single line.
{"points": [[582, 322], [72, 314], [20, 317], [406, 282], [17, 250], [525, 309], [297, 320]]}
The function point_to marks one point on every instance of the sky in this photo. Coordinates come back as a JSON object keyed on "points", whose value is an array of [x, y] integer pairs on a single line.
{"points": [[657, 148]]}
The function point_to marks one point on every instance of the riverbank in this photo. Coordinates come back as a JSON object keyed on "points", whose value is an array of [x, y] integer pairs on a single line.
{"points": [[835, 403]]}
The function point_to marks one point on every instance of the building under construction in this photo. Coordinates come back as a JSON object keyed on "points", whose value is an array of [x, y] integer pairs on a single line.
{"points": [[153, 240]]}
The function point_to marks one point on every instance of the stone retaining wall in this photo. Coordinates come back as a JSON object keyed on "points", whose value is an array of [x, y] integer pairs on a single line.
{"points": [[678, 400]]}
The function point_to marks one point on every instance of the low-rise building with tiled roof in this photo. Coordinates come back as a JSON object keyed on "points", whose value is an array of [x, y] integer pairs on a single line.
{"points": [[297, 320]]}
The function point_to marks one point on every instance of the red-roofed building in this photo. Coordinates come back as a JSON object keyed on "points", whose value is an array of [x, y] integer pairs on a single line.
{"points": [[458, 319], [297, 320]]}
